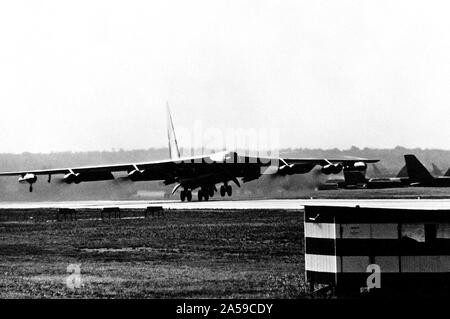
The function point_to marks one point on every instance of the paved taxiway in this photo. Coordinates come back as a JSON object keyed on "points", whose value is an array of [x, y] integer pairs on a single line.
{"points": [[288, 204]]}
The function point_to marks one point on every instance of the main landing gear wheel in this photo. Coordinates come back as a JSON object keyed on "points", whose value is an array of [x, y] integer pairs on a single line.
{"points": [[226, 189], [186, 195], [222, 190], [189, 196], [202, 195], [229, 190]]}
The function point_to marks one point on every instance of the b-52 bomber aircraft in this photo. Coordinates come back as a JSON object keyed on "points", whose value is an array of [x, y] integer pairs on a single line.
{"points": [[413, 173], [420, 176], [203, 172], [357, 180]]}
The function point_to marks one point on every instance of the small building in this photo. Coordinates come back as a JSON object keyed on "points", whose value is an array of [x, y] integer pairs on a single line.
{"points": [[347, 247]]}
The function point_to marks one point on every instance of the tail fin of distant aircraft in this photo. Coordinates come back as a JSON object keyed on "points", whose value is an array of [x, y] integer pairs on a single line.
{"points": [[403, 172], [436, 171], [376, 171], [447, 173], [416, 170], [174, 152]]}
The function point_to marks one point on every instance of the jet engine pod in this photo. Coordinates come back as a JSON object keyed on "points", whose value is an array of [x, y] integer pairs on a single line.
{"points": [[77, 178], [332, 169], [285, 169], [135, 175], [290, 169], [359, 166], [72, 177]]}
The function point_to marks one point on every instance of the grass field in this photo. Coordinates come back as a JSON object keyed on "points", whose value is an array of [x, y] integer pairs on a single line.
{"points": [[220, 254], [199, 254]]}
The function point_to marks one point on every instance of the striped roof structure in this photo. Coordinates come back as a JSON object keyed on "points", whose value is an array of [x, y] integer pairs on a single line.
{"points": [[409, 247]]}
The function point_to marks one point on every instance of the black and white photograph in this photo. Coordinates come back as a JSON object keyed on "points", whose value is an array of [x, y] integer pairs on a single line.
{"points": [[224, 156]]}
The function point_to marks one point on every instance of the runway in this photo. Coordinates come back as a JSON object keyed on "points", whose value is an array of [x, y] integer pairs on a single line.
{"points": [[287, 204]]}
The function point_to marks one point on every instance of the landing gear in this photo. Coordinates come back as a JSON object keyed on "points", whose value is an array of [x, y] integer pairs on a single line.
{"points": [[226, 189], [229, 190], [186, 195], [31, 188], [189, 196], [203, 195]]}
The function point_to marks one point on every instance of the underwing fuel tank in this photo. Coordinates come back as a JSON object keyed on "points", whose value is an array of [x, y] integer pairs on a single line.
{"points": [[28, 178]]}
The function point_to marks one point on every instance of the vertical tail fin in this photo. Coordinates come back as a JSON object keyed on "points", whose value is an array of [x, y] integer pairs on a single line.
{"points": [[447, 173], [436, 171], [403, 172], [376, 171], [174, 152], [416, 170]]}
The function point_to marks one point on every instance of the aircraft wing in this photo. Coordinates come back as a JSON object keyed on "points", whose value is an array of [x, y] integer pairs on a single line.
{"points": [[155, 170], [167, 166], [56, 171], [195, 171], [324, 161], [329, 166], [129, 167]]}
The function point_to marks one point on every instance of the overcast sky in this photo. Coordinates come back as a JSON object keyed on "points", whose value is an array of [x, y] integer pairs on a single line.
{"points": [[96, 75]]}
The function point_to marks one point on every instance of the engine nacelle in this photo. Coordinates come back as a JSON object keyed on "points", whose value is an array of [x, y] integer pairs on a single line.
{"points": [[291, 169], [332, 169], [135, 175], [327, 169], [285, 169], [359, 166], [28, 178], [71, 177]]}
